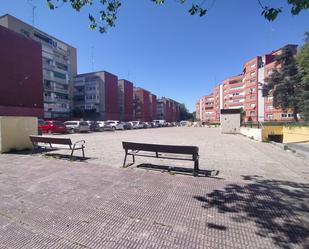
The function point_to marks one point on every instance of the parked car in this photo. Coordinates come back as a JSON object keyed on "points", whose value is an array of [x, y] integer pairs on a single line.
{"points": [[105, 126], [160, 122], [134, 124], [146, 125], [77, 126], [128, 126], [94, 126], [116, 125], [154, 124], [52, 126]]}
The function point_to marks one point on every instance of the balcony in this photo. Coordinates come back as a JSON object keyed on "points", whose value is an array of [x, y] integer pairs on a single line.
{"points": [[49, 99]]}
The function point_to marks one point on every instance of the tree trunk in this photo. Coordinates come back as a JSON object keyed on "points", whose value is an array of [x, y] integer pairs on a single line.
{"points": [[295, 115]]}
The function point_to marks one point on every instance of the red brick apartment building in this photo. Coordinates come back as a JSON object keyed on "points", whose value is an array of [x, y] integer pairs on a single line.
{"points": [[125, 97], [21, 88], [245, 91], [217, 103], [233, 92], [153, 106], [269, 65], [250, 78], [206, 111], [96, 95], [168, 109], [141, 104]]}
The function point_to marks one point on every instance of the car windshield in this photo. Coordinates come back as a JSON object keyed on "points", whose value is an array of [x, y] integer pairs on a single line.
{"points": [[83, 123]]}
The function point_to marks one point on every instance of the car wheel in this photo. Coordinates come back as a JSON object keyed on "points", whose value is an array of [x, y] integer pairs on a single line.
{"points": [[114, 128], [50, 132], [71, 131]]}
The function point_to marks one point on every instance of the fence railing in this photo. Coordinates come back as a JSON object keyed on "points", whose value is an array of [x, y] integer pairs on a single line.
{"points": [[273, 123]]}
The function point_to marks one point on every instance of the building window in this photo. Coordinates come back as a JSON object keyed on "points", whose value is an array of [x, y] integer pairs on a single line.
{"points": [[62, 66], [252, 74], [252, 97], [269, 107], [270, 116], [253, 65], [59, 75], [252, 113], [283, 115]]}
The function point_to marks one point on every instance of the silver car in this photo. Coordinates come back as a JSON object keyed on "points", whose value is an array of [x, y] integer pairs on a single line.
{"points": [[77, 126]]}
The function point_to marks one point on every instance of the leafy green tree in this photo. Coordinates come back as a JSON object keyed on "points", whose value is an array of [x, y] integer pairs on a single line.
{"points": [[303, 65], [285, 83], [107, 15]]}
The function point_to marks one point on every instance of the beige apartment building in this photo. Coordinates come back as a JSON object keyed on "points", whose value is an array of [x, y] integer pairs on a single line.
{"points": [[59, 67]]}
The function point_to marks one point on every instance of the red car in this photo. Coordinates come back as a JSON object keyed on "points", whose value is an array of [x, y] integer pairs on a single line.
{"points": [[53, 127]]}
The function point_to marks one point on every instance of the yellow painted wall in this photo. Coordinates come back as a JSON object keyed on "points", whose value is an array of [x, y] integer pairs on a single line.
{"points": [[295, 134], [271, 130], [15, 131]]}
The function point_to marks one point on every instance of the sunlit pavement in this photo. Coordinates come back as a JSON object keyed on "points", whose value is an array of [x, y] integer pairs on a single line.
{"points": [[259, 199]]}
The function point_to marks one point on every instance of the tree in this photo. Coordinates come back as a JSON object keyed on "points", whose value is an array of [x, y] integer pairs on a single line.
{"points": [[303, 65], [184, 113], [284, 83], [107, 15]]}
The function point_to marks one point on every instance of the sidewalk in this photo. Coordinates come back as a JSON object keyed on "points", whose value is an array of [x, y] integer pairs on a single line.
{"points": [[60, 204]]}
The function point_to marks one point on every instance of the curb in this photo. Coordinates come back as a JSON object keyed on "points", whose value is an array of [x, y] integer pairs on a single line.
{"points": [[285, 147]]}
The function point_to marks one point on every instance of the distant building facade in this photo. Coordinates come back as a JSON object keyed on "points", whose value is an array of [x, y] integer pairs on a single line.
{"points": [[153, 106], [21, 88], [168, 109], [141, 104], [59, 67], [125, 99], [96, 96], [245, 91]]}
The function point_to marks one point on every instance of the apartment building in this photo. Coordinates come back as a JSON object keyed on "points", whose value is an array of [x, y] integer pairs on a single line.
{"points": [[217, 103], [267, 112], [18, 76], [141, 104], [59, 67], [206, 109], [153, 106], [168, 109], [233, 92], [125, 98], [250, 78], [245, 91], [96, 96]]}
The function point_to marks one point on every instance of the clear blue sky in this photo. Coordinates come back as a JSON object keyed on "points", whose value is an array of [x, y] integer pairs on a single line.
{"points": [[165, 50]]}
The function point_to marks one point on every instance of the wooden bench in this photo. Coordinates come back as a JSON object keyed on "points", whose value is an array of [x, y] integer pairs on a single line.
{"points": [[48, 142], [134, 149]]}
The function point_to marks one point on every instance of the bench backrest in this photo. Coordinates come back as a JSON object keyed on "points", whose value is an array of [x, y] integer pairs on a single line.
{"points": [[50, 140], [176, 149]]}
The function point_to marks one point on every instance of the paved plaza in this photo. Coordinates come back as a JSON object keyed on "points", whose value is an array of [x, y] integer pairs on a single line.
{"points": [[259, 199]]}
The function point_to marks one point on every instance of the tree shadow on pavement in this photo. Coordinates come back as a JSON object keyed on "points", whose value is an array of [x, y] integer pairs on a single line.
{"points": [[279, 209]]}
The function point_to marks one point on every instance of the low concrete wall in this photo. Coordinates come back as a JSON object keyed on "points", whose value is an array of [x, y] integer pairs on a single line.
{"points": [[253, 133], [295, 134], [15, 131]]}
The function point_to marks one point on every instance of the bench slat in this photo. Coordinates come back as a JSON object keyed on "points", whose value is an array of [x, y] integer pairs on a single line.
{"points": [[176, 149], [50, 140]]}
